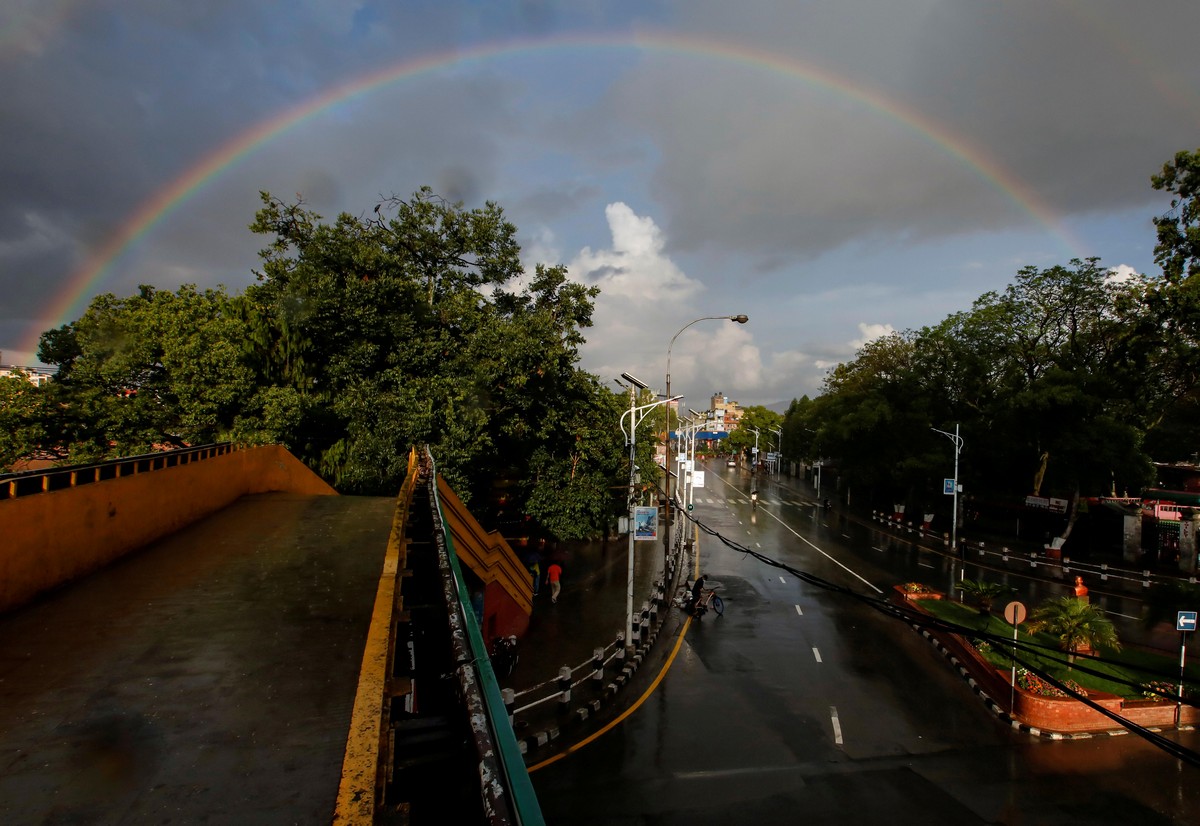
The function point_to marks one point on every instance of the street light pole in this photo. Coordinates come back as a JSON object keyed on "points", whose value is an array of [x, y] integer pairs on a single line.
{"points": [[740, 319], [635, 414], [958, 443]]}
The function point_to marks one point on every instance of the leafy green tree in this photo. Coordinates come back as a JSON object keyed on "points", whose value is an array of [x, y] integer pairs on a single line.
{"points": [[742, 439], [1178, 248], [1036, 371], [874, 419], [135, 374], [418, 325], [1076, 624], [27, 413]]}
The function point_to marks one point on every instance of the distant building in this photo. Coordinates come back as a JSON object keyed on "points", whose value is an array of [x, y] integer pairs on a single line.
{"points": [[725, 412], [35, 375]]}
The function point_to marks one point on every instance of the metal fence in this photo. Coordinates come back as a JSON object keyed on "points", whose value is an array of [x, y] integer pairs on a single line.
{"points": [[31, 482]]}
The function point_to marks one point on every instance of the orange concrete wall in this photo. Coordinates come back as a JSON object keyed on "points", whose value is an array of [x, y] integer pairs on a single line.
{"points": [[48, 539], [486, 552], [508, 588]]}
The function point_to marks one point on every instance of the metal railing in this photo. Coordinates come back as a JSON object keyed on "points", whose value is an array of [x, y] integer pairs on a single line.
{"points": [[597, 673], [497, 746], [1130, 579], [32, 482]]}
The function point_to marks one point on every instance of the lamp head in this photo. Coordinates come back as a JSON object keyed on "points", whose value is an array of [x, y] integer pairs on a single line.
{"points": [[640, 385], [740, 319]]}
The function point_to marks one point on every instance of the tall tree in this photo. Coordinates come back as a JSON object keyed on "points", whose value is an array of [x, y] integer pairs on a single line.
{"points": [[418, 324], [156, 369], [1178, 248]]}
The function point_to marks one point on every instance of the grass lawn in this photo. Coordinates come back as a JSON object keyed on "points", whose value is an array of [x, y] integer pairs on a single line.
{"points": [[1119, 667]]}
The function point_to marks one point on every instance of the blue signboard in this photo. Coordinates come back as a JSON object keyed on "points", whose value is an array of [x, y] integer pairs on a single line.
{"points": [[948, 487], [1186, 621]]}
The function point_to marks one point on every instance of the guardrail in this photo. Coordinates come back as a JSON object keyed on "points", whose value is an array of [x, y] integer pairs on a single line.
{"points": [[508, 791], [32, 482], [596, 680], [1064, 568]]}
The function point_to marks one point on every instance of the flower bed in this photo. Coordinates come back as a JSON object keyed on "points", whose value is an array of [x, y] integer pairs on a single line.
{"points": [[1043, 706], [917, 590]]}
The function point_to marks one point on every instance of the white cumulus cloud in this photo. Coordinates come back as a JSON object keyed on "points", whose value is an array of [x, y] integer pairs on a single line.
{"points": [[870, 332]]}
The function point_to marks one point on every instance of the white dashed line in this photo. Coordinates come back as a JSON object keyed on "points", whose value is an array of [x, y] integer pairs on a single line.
{"points": [[817, 653], [816, 548], [798, 611], [837, 726], [873, 548], [782, 581]]}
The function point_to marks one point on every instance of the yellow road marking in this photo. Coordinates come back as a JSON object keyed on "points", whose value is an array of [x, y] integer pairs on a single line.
{"points": [[613, 724]]}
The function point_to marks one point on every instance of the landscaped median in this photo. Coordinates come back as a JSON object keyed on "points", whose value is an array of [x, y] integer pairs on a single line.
{"points": [[1036, 704]]}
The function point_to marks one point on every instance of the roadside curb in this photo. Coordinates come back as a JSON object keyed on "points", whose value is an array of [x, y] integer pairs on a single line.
{"points": [[585, 709], [965, 672]]}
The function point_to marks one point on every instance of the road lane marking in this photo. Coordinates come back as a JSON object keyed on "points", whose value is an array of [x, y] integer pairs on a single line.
{"points": [[817, 653], [850, 571], [924, 565], [798, 611], [782, 581], [845, 536], [1118, 614], [873, 548], [837, 726]]}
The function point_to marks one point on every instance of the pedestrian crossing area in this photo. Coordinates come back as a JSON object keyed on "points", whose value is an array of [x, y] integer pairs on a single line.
{"points": [[745, 500]]}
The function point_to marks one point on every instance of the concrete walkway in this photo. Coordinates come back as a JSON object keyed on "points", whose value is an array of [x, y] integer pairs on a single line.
{"points": [[207, 678]]}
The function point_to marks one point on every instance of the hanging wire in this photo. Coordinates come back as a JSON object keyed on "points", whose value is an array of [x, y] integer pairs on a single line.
{"points": [[916, 617]]}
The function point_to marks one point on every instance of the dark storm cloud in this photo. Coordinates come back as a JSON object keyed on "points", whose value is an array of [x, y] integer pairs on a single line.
{"points": [[1068, 106]]}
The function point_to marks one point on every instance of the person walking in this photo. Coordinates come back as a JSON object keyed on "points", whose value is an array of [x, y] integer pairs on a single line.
{"points": [[553, 575]]}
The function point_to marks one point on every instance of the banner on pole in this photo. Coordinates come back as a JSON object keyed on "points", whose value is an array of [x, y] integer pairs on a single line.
{"points": [[645, 523]]}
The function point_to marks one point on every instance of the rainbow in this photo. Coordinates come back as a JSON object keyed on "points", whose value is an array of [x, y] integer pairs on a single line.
{"points": [[85, 281]]}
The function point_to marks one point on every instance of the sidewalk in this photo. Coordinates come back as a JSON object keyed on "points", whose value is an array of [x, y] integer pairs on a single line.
{"points": [[590, 616]]}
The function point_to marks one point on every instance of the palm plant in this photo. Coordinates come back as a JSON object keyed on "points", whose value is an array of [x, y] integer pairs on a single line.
{"points": [[982, 594], [1077, 625]]}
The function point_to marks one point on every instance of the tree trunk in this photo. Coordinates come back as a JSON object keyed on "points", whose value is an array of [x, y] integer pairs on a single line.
{"points": [[1041, 473]]}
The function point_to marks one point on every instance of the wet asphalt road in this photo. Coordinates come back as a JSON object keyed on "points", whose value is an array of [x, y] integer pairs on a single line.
{"points": [[802, 706]]}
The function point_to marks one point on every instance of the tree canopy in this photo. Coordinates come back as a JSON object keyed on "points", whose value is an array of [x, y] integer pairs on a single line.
{"points": [[1064, 383], [416, 324]]}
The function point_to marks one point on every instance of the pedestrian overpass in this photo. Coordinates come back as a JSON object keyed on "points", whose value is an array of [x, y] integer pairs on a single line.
{"points": [[214, 634]]}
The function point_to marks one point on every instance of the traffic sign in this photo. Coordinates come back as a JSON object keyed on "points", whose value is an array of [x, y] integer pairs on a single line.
{"points": [[948, 487], [1014, 612], [1185, 621]]}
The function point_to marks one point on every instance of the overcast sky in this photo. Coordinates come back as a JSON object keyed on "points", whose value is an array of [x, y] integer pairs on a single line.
{"points": [[834, 170]]}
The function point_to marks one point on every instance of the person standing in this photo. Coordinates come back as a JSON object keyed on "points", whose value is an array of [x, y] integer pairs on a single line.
{"points": [[553, 575], [533, 563], [697, 591]]}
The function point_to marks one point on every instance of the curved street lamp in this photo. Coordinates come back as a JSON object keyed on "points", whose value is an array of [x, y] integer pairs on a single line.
{"points": [[740, 319], [958, 443]]}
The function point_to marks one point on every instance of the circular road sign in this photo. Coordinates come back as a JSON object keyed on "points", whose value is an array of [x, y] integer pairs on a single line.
{"points": [[1014, 612]]}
